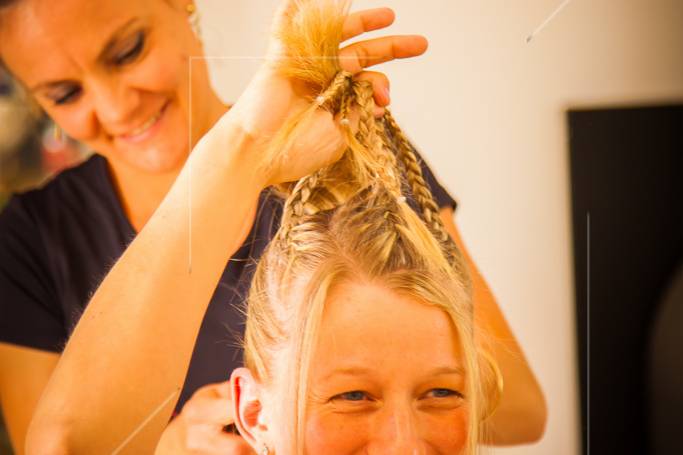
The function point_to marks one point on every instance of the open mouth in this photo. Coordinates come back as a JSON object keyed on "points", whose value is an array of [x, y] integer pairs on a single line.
{"points": [[147, 129]]}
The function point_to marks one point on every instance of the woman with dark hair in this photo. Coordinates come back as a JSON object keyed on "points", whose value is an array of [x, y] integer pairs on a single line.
{"points": [[112, 366]]}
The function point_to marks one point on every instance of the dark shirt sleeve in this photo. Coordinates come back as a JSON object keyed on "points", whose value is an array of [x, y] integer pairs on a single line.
{"points": [[442, 197], [29, 311]]}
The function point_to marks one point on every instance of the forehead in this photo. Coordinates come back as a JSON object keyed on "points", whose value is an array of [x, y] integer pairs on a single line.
{"points": [[371, 325], [47, 35]]}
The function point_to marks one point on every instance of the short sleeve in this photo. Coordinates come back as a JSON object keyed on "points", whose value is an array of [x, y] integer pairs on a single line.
{"points": [[441, 195], [29, 312]]}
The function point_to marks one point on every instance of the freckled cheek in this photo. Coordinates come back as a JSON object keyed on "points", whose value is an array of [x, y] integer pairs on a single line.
{"points": [[446, 432], [335, 433]]}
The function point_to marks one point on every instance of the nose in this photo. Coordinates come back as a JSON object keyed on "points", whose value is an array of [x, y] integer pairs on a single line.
{"points": [[115, 104], [396, 432]]}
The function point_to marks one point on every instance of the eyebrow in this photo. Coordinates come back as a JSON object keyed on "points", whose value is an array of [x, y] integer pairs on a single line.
{"points": [[114, 37], [100, 57], [348, 371], [361, 371], [447, 370]]}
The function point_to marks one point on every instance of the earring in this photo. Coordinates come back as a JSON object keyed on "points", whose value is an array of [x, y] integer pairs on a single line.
{"points": [[265, 450], [193, 19], [57, 133]]}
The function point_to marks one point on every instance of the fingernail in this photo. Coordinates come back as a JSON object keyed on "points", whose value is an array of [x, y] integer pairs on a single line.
{"points": [[386, 95]]}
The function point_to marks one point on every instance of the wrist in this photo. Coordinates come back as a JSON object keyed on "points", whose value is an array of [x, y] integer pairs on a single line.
{"points": [[237, 152]]}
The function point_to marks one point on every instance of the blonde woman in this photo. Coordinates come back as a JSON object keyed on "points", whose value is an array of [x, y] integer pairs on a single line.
{"points": [[360, 338], [113, 74]]}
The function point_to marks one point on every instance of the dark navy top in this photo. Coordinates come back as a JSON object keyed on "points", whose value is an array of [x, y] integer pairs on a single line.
{"points": [[58, 242]]}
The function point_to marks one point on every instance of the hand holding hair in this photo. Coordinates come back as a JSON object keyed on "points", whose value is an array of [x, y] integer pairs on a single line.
{"points": [[282, 94]]}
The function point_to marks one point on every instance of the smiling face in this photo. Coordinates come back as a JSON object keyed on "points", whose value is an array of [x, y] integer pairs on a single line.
{"points": [[113, 74], [386, 377]]}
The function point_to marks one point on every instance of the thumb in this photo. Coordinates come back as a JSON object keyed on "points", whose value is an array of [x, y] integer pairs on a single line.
{"points": [[224, 390], [215, 390]]}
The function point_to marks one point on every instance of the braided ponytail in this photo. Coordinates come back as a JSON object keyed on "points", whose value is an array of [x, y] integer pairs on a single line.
{"points": [[372, 157]]}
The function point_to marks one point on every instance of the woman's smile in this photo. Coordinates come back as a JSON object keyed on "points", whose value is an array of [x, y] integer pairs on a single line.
{"points": [[121, 85], [147, 130]]}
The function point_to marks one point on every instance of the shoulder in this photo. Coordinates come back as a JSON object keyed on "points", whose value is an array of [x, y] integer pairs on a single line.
{"points": [[67, 222], [73, 185], [73, 194], [30, 219]]}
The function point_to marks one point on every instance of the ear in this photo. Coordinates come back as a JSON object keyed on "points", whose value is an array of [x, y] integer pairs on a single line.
{"points": [[247, 407]]}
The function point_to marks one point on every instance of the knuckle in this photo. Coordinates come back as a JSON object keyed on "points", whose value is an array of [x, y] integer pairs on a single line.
{"points": [[362, 57], [193, 410]]}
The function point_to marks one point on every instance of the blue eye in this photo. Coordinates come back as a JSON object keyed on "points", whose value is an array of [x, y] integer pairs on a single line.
{"points": [[355, 395], [445, 393]]}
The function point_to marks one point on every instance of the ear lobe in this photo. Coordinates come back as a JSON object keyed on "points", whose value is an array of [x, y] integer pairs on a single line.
{"points": [[246, 399]]}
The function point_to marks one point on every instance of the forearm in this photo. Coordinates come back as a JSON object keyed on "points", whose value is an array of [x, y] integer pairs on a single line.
{"points": [[132, 346], [521, 413]]}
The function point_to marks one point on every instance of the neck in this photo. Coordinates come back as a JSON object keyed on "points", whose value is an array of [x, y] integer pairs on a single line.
{"points": [[141, 192]]}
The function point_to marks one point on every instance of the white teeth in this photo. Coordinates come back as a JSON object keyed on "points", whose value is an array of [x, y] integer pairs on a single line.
{"points": [[146, 125]]}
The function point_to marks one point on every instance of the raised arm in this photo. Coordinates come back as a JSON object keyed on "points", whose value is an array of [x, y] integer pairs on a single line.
{"points": [[131, 348]]}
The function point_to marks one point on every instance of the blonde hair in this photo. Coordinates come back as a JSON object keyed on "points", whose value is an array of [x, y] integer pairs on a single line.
{"points": [[348, 222]]}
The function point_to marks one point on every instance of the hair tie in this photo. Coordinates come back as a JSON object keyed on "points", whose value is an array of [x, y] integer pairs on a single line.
{"points": [[342, 77]]}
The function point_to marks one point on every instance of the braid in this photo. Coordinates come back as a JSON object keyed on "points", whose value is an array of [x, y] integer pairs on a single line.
{"points": [[330, 98], [295, 206], [297, 203], [383, 165], [418, 186], [423, 196]]}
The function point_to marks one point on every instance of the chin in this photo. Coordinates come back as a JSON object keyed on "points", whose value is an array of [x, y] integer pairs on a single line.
{"points": [[157, 159], [159, 148]]}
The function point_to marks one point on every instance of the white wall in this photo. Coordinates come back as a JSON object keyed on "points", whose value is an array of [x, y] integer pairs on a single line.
{"points": [[488, 111]]}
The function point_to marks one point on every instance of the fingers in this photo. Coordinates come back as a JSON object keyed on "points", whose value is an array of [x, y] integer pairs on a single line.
{"points": [[211, 404], [363, 54], [367, 20], [202, 420], [216, 390], [216, 411]]}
